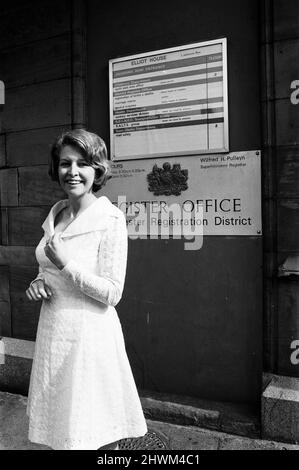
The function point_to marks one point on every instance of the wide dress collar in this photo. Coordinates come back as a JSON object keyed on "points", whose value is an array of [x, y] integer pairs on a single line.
{"points": [[88, 220]]}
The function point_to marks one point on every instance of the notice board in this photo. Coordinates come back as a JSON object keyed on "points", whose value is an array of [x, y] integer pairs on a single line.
{"points": [[169, 102]]}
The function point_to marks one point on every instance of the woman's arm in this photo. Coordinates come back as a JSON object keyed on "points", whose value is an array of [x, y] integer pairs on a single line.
{"points": [[107, 286], [38, 288], [40, 276]]}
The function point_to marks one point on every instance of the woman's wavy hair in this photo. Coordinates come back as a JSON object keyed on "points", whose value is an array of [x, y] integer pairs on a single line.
{"points": [[92, 148]]}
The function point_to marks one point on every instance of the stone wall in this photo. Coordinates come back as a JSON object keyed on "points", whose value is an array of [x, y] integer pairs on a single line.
{"points": [[42, 51]]}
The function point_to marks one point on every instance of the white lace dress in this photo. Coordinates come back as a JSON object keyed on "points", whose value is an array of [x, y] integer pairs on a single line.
{"points": [[82, 393]]}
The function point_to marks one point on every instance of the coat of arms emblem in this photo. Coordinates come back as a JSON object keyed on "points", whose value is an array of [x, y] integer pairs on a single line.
{"points": [[168, 180]]}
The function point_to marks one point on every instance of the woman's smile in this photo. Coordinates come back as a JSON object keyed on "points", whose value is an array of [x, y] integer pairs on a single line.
{"points": [[73, 183]]}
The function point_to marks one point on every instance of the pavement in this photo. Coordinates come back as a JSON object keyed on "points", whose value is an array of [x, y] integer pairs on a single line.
{"points": [[14, 432]]}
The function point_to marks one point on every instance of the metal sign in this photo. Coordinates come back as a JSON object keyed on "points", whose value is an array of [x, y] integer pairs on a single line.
{"points": [[2, 92], [2, 101], [226, 187]]}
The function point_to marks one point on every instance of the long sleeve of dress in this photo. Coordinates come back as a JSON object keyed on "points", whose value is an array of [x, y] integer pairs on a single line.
{"points": [[107, 287], [40, 276]]}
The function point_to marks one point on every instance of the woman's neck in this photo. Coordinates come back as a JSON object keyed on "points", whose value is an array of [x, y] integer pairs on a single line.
{"points": [[77, 205]]}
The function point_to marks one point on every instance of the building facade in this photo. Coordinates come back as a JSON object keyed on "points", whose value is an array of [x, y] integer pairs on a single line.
{"points": [[210, 323]]}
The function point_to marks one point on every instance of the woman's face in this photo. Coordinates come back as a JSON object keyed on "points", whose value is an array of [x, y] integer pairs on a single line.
{"points": [[76, 176]]}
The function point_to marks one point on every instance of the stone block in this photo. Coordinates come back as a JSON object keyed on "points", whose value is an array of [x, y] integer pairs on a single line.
{"points": [[280, 410], [15, 364]]}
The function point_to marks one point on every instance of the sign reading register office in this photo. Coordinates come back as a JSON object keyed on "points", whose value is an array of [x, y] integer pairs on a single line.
{"points": [[226, 188]]}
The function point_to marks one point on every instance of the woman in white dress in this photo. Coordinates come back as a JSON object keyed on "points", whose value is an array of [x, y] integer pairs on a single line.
{"points": [[82, 393]]}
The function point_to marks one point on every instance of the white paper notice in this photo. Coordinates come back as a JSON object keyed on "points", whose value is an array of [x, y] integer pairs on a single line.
{"points": [[171, 103]]}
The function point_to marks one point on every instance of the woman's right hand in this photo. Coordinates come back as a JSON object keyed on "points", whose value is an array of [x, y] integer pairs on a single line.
{"points": [[38, 290]]}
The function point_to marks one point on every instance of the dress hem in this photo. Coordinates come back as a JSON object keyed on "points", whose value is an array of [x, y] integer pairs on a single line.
{"points": [[89, 445]]}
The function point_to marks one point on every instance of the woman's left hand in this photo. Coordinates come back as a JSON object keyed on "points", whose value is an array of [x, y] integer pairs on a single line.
{"points": [[55, 250]]}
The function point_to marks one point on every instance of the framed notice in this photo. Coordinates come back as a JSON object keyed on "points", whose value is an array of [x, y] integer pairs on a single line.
{"points": [[169, 102]]}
